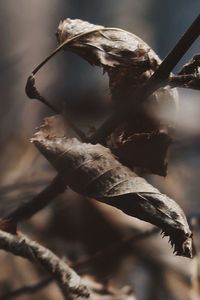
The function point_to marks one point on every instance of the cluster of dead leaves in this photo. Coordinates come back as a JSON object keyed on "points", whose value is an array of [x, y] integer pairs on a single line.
{"points": [[93, 171], [129, 62], [141, 141]]}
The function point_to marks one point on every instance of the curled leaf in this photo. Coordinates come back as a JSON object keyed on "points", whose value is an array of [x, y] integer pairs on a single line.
{"points": [[147, 151], [189, 75], [103, 46], [93, 171], [127, 59], [129, 62]]}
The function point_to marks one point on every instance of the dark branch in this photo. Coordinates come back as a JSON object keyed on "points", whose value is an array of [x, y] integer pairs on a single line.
{"points": [[27, 209], [115, 248], [175, 55], [28, 289], [157, 80]]}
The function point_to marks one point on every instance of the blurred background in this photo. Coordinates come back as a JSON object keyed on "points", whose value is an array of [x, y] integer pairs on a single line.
{"points": [[72, 226]]}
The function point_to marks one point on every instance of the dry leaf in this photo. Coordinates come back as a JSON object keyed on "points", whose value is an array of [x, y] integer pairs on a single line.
{"points": [[127, 58], [192, 66], [93, 171], [145, 150], [189, 75], [140, 148], [129, 62]]}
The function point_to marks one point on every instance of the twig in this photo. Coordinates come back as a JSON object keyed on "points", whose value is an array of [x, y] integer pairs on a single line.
{"points": [[27, 209], [33, 93], [27, 289], [177, 52], [111, 249], [157, 80], [115, 248], [30, 88], [67, 279]]}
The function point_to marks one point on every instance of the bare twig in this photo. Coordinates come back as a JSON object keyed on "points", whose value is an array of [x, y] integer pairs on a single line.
{"points": [[179, 50], [157, 80], [33, 93], [67, 279], [27, 209], [27, 289], [80, 266], [115, 248]]}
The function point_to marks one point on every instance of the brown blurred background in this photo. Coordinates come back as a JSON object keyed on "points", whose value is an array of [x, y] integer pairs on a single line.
{"points": [[72, 226]]}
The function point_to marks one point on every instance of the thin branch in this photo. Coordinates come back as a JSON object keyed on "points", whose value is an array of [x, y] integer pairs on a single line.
{"points": [[179, 50], [27, 209], [67, 279], [33, 93], [27, 289], [31, 90], [157, 80], [110, 249], [115, 248]]}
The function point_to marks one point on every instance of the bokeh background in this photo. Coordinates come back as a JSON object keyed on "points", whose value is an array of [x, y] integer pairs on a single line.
{"points": [[72, 226]]}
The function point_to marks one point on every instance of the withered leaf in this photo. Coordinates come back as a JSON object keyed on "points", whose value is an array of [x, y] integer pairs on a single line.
{"points": [[189, 75], [142, 143], [144, 150], [126, 58], [192, 66], [129, 62], [93, 171]]}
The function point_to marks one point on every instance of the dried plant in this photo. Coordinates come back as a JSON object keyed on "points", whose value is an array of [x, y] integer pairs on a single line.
{"points": [[133, 140]]}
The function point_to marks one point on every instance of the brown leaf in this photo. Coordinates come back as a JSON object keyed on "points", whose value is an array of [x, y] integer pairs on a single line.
{"points": [[129, 62], [143, 144], [191, 67], [145, 150], [93, 171], [127, 58], [103, 46], [188, 76]]}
